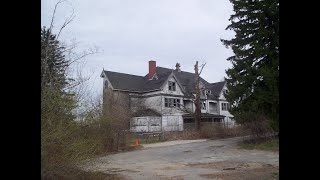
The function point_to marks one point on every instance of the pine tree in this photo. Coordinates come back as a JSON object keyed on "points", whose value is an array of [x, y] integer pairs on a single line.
{"points": [[56, 103], [253, 80], [53, 62]]}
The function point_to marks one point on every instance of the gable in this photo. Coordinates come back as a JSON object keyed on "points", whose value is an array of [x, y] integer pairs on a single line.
{"points": [[221, 95], [106, 81], [178, 88]]}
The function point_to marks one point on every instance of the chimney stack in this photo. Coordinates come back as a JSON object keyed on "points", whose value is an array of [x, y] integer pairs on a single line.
{"points": [[178, 67], [152, 69]]}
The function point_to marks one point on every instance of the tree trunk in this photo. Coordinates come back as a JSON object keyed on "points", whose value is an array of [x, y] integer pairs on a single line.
{"points": [[197, 100]]}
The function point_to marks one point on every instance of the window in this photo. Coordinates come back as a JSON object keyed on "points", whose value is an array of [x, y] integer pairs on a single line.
{"points": [[208, 91], [171, 102], [106, 84], [166, 102], [224, 106], [225, 91], [172, 86], [203, 105]]}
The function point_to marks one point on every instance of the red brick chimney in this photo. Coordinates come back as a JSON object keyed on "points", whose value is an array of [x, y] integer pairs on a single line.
{"points": [[152, 69]]}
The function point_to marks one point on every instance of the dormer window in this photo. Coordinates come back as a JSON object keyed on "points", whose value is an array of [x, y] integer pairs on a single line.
{"points": [[172, 86]]}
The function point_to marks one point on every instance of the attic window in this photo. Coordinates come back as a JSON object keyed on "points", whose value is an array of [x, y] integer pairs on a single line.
{"points": [[225, 91], [172, 86], [105, 83]]}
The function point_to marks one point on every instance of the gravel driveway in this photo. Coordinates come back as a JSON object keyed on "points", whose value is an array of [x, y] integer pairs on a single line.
{"points": [[200, 159]]}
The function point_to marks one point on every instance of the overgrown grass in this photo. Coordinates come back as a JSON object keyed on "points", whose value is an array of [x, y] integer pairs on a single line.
{"points": [[269, 145]]}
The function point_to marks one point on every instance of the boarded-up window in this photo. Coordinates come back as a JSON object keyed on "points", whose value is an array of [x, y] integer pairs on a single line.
{"points": [[173, 121]]}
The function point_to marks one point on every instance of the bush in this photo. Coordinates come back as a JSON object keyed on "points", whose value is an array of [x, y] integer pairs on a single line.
{"points": [[213, 131], [208, 131], [260, 128]]}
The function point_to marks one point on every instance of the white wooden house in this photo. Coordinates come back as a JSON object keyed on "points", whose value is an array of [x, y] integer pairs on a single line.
{"points": [[163, 99]]}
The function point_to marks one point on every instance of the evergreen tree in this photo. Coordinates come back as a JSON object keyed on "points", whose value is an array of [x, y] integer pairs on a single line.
{"points": [[56, 103], [253, 80], [53, 62]]}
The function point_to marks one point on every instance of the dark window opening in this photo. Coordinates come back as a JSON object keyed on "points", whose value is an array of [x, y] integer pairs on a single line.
{"points": [[189, 120], [172, 86], [224, 106], [203, 105], [171, 102]]}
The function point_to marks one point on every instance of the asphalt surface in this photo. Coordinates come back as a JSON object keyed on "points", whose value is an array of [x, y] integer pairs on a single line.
{"points": [[180, 159]]}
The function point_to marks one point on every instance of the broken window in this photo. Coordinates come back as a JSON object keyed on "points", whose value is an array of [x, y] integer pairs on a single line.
{"points": [[171, 102], [172, 86]]}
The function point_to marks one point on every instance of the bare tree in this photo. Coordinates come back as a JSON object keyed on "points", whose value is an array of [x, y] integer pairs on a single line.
{"points": [[197, 98]]}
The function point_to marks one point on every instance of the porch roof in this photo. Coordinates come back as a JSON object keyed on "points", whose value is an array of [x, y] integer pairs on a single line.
{"points": [[204, 115]]}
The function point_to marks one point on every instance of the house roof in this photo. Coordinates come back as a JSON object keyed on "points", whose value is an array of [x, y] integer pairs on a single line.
{"points": [[125, 81], [186, 79], [146, 112], [203, 115], [130, 82], [215, 88]]}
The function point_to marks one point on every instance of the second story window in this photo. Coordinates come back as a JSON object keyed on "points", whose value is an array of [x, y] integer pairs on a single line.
{"points": [[224, 106], [170, 102], [172, 86], [203, 105]]}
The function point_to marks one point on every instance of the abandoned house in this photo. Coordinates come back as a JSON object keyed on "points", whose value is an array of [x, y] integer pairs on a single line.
{"points": [[163, 100]]}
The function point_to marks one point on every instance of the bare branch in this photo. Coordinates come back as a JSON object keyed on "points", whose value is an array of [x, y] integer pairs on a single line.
{"points": [[66, 22], [54, 12], [82, 56], [202, 66]]}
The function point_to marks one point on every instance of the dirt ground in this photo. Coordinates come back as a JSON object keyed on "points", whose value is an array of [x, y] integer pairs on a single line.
{"points": [[205, 159]]}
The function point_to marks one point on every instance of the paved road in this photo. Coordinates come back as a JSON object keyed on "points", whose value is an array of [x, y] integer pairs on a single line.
{"points": [[183, 160]]}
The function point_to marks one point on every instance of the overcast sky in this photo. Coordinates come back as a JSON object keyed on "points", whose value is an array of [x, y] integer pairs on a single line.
{"points": [[129, 33]]}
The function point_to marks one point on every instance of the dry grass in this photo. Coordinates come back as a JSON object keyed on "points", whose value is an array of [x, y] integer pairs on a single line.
{"points": [[208, 131]]}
